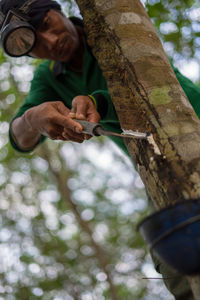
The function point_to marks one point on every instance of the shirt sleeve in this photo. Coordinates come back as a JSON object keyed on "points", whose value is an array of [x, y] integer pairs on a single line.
{"points": [[191, 90], [109, 118], [104, 105], [40, 92]]}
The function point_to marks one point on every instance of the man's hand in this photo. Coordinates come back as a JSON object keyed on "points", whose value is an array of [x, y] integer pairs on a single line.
{"points": [[55, 120], [84, 109], [52, 119]]}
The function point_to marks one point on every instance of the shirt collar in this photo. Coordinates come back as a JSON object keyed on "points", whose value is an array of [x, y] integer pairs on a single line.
{"points": [[58, 68]]}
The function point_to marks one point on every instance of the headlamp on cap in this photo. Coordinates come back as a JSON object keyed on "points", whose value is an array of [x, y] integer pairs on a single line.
{"points": [[17, 36]]}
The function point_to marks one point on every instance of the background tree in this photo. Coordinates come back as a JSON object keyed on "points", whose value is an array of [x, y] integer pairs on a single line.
{"points": [[50, 198]]}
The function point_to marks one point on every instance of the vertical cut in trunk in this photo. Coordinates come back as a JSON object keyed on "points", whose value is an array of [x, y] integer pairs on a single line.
{"points": [[147, 97]]}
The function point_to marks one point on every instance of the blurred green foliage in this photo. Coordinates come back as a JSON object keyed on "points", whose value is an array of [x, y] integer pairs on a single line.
{"points": [[177, 23], [63, 212]]}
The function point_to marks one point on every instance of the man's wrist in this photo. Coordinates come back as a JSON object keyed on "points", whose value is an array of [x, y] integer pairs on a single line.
{"points": [[93, 100], [101, 103], [18, 140], [26, 118]]}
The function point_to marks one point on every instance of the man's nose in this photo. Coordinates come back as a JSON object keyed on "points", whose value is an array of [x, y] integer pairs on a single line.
{"points": [[50, 40]]}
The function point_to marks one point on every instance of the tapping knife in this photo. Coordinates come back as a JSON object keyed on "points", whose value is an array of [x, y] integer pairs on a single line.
{"points": [[96, 129]]}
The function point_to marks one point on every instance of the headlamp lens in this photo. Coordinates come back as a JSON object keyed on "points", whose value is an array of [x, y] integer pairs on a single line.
{"points": [[19, 41]]}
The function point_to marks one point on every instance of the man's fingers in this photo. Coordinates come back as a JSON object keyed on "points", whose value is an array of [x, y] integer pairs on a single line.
{"points": [[62, 109], [81, 111], [94, 117], [74, 137], [69, 133], [72, 115], [87, 136], [68, 123], [80, 107]]}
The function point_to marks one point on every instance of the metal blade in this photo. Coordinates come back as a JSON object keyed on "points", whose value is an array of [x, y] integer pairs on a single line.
{"points": [[132, 134], [96, 129]]}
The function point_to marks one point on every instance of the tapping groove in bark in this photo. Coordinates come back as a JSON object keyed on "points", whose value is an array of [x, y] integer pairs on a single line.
{"points": [[147, 97]]}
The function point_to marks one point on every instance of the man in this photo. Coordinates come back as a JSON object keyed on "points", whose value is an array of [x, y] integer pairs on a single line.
{"points": [[69, 84], [65, 76]]}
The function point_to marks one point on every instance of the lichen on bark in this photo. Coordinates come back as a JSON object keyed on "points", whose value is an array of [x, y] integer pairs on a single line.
{"points": [[147, 97]]}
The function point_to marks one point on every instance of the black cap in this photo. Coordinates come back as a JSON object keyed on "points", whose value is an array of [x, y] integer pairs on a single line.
{"points": [[34, 9]]}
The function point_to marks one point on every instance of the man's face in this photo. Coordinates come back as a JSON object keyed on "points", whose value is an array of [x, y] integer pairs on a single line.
{"points": [[57, 38]]}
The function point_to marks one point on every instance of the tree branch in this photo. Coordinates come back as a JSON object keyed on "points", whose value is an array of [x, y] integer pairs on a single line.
{"points": [[61, 177]]}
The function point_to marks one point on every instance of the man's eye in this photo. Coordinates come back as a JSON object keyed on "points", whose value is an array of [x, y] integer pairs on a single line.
{"points": [[45, 23]]}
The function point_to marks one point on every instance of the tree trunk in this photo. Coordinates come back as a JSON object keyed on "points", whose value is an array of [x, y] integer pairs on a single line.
{"points": [[147, 97], [195, 285]]}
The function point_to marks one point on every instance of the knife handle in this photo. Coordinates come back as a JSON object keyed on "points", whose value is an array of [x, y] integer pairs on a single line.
{"points": [[89, 127]]}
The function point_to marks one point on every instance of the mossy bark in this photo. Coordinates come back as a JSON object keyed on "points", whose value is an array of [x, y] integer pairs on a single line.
{"points": [[147, 97]]}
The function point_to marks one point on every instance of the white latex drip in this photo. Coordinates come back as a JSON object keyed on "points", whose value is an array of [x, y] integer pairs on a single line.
{"points": [[152, 142]]}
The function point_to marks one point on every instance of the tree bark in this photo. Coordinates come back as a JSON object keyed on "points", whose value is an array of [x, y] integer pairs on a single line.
{"points": [[195, 286], [147, 97]]}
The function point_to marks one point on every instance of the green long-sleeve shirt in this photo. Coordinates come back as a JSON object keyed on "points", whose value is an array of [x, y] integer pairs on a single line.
{"points": [[54, 81]]}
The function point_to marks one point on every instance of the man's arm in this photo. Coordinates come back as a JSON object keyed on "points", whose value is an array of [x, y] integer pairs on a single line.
{"points": [[191, 90], [54, 120]]}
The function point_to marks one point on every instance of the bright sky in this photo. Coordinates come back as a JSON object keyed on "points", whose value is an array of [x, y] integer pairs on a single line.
{"points": [[190, 69]]}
